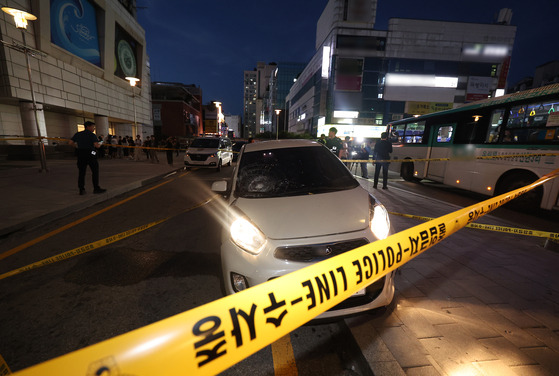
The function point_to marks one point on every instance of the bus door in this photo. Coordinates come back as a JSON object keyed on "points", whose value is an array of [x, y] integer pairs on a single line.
{"points": [[440, 145]]}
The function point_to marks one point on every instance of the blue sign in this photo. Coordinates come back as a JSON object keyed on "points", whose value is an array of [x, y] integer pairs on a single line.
{"points": [[73, 25]]}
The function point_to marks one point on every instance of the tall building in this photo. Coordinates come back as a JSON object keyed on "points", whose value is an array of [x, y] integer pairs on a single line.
{"points": [[279, 84], [249, 103], [79, 69], [361, 78], [255, 89]]}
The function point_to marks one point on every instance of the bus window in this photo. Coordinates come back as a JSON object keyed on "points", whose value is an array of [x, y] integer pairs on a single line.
{"points": [[397, 133], [495, 125], [445, 134], [539, 113], [516, 117], [414, 133]]}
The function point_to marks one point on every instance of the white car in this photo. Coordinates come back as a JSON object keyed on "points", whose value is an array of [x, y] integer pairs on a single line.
{"points": [[291, 203], [209, 152]]}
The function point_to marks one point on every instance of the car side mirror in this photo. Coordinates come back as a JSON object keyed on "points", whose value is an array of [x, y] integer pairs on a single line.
{"points": [[219, 186]]}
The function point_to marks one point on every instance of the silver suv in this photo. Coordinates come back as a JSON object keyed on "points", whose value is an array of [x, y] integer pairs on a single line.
{"points": [[209, 152]]}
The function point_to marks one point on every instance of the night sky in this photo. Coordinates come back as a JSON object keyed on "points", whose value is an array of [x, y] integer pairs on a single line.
{"points": [[211, 43]]}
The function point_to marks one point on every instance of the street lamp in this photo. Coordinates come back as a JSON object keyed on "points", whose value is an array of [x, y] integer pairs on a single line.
{"points": [[220, 117], [133, 81], [277, 123], [20, 18]]}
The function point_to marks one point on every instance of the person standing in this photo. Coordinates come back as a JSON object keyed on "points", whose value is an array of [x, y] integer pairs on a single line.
{"points": [[169, 146], [382, 151], [138, 149], [334, 143], [176, 145], [344, 153], [119, 149], [364, 155], [153, 151], [87, 145]]}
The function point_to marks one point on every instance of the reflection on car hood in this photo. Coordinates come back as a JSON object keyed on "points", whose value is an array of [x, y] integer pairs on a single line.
{"points": [[308, 215]]}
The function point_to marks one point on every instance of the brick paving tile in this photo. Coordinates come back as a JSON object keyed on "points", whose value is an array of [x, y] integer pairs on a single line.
{"points": [[448, 357], [508, 353], [494, 367], [546, 357], [404, 346]]}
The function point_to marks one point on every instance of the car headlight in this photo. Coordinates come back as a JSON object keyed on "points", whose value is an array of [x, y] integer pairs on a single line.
{"points": [[379, 221], [247, 236]]}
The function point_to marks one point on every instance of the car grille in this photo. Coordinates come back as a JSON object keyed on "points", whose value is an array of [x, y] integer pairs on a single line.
{"points": [[317, 252], [198, 157]]}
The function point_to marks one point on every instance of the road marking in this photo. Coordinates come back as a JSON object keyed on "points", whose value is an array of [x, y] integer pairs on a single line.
{"points": [[284, 360], [81, 220], [97, 244]]}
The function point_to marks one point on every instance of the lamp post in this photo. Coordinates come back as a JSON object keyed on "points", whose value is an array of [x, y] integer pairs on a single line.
{"points": [[277, 123], [20, 19], [133, 81]]}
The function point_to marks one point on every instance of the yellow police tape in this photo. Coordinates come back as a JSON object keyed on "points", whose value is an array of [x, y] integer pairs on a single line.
{"points": [[455, 159], [466, 158], [23, 138], [496, 228], [97, 244], [81, 250], [209, 339], [4, 369]]}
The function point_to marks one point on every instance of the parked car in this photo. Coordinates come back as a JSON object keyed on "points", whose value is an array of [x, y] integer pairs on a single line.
{"points": [[209, 152], [292, 203]]}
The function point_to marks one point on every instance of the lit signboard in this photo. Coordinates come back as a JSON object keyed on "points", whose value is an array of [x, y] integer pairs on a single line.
{"points": [[73, 26]]}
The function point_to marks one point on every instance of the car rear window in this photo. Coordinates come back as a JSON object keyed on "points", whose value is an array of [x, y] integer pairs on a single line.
{"points": [[291, 172]]}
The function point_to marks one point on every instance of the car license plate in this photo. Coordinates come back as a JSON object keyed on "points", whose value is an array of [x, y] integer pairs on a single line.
{"points": [[359, 293]]}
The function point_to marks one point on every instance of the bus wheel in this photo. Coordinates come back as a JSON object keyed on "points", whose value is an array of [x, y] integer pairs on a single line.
{"points": [[528, 201], [406, 171]]}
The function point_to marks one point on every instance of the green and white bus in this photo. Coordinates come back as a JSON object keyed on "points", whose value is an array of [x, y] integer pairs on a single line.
{"points": [[521, 128]]}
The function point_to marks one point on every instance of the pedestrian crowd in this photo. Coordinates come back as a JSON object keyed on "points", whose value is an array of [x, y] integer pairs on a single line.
{"points": [[90, 147], [127, 147], [346, 151]]}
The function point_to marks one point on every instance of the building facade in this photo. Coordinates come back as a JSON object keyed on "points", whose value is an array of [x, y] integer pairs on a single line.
{"points": [[233, 125], [361, 78], [84, 55], [177, 110], [279, 84]]}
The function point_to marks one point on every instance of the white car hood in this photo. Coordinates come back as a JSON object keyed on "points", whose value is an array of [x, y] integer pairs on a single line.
{"points": [[308, 215]]}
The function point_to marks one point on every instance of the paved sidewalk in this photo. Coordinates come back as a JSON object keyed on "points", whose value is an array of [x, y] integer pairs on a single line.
{"points": [[31, 198]]}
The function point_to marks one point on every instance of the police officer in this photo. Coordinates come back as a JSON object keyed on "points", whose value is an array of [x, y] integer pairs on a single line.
{"points": [[87, 144]]}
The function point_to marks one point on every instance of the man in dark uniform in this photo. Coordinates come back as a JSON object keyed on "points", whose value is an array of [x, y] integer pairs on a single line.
{"points": [[87, 144], [382, 151], [333, 142]]}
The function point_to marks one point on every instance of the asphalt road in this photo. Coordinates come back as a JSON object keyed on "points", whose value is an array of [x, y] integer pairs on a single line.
{"points": [[170, 268]]}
